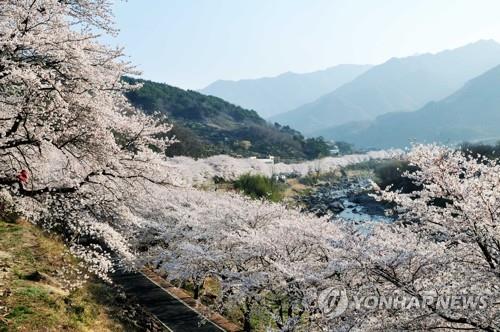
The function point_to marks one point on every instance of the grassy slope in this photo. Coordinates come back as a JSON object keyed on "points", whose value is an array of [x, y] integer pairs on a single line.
{"points": [[45, 305]]}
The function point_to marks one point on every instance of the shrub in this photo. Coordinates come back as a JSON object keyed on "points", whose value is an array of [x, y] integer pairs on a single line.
{"points": [[484, 150], [259, 186], [390, 173]]}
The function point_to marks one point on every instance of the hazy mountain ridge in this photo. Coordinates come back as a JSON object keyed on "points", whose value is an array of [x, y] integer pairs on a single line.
{"points": [[273, 95], [470, 114], [402, 84]]}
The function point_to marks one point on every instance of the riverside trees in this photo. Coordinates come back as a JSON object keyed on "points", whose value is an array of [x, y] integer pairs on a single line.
{"points": [[454, 221], [275, 260]]}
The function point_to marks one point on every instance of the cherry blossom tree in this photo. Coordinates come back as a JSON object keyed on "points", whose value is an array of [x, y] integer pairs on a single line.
{"points": [[451, 242], [444, 246], [69, 141]]}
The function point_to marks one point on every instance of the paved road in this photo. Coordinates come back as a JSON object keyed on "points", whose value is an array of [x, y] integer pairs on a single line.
{"points": [[176, 315]]}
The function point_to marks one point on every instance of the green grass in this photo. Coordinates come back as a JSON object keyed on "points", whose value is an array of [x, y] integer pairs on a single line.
{"points": [[259, 186], [46, 305]]}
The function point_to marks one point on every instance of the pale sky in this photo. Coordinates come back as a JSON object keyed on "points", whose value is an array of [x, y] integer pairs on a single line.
{"points": [[191, 43]]}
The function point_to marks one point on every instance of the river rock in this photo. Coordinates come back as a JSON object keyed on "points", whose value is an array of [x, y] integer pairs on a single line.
{"points": [[336, 206]]}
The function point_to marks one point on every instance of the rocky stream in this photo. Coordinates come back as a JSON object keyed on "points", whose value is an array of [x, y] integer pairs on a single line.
{"points": [[348, 199]]}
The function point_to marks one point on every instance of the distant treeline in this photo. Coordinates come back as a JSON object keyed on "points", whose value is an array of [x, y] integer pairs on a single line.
{"points": [[479, 149]]}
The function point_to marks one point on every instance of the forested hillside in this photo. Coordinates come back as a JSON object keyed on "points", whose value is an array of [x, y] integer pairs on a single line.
{"points": [[207, 125]]}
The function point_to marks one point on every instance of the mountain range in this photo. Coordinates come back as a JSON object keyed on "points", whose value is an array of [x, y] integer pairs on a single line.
{"points": [[448, 97], [400, 84], [273, 95], [470, 114]]}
